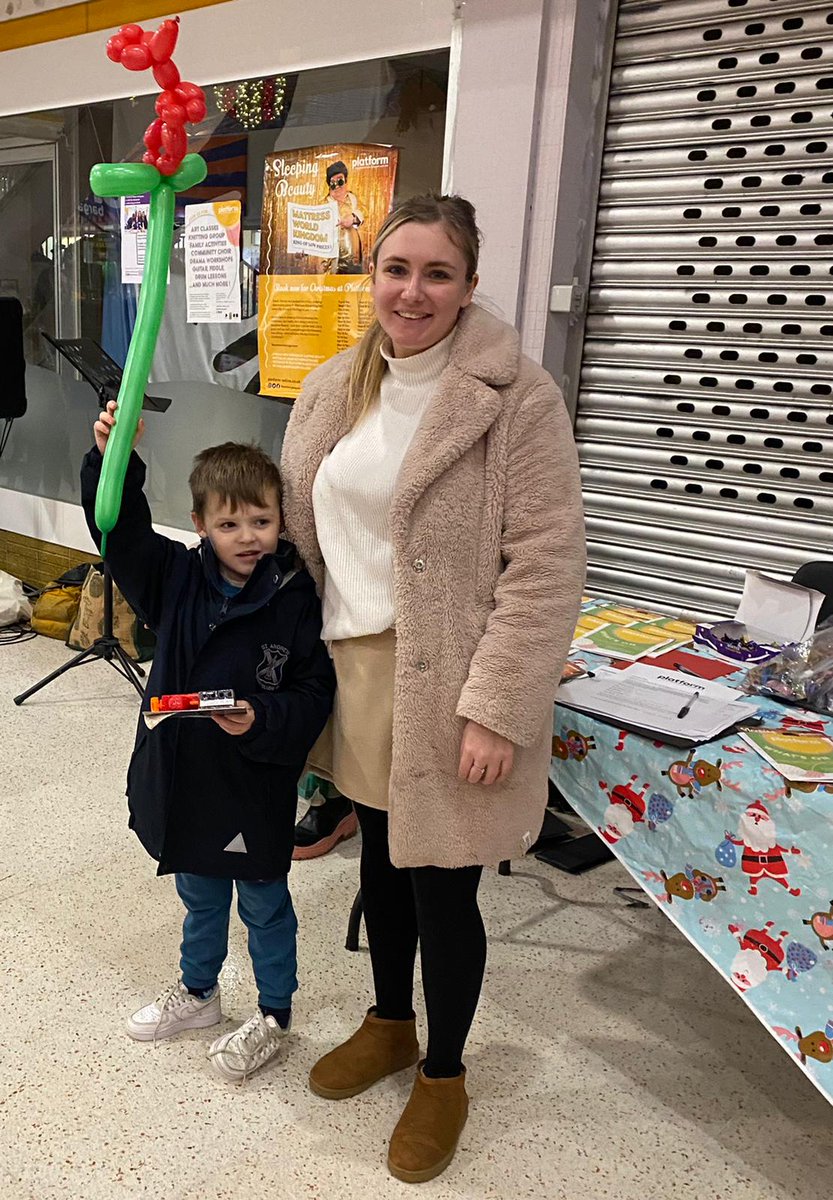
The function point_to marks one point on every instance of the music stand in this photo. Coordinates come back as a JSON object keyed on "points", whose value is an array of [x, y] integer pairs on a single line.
{"points": [[104, 374]]}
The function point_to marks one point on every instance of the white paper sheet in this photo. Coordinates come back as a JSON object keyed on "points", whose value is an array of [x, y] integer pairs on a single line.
{"points": [[212, 262], [650, 698]]}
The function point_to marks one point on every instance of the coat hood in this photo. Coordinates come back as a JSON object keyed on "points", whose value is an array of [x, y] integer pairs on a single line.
{"points": [[273, 571]]}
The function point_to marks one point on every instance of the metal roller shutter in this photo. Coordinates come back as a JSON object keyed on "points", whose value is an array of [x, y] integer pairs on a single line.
{"points": [[705, 414]]}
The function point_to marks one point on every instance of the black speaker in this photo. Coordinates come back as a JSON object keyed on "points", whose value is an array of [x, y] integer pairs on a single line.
{"points": [[12, 362]]}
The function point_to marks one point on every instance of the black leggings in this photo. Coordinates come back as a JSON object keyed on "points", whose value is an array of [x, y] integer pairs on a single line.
{"points": [[436, 906]]}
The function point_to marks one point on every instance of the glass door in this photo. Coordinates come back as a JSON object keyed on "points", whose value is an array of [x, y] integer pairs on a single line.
{"points": [[30, 244]]}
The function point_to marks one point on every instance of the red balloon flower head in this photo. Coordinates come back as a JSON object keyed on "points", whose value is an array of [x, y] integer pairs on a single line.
{"points": [[179, 104]]}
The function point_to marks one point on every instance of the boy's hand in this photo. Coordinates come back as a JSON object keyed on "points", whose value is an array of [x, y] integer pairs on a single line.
{"points": [[106, 421], [236, 723]]}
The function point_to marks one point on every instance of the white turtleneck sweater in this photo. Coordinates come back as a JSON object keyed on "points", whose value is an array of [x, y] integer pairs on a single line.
{"points": [[353, 493]]}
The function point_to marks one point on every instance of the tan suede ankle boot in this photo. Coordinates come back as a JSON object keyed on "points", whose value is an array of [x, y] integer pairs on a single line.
{"points": [[377, 1048], [426, 1136]]}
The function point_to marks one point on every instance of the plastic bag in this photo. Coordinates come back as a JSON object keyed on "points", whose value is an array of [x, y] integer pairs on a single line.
{"points": [[56, 606], [14, 605], [800, 674]]}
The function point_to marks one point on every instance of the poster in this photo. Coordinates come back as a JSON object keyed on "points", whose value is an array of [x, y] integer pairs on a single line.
{"points": [[212, 262], [322, 209], [135, 212]]}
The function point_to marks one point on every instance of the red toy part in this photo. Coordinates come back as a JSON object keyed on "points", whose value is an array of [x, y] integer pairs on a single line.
{"points": [[136, 58], [174, 147], [169, 109], [153, 142], [181, 103], [166, 75], [163, 42], [179, 702]]}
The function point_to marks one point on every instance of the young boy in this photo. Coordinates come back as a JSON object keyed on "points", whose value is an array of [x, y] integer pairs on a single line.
{"points": [[213, 800]]}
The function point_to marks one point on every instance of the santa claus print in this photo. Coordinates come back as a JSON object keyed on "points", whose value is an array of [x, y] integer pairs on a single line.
{"points": [[760, 952], [625, 811], [762, 857]]}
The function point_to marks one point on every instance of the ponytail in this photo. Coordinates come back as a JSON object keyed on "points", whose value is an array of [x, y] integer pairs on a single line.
{"points": [[366, 373]]}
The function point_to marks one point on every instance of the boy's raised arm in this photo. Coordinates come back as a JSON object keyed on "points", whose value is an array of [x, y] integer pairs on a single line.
{"points": [[140, 558]]}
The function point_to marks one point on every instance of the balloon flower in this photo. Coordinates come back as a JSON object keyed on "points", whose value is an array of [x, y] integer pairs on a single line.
{"points": [[165, 169]]}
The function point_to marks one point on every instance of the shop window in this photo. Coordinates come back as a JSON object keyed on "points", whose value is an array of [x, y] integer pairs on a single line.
{"points": [[61, 249], [397, 101]]}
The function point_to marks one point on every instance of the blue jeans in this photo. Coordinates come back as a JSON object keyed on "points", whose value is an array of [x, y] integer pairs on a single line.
{"points": [[265, 909]]}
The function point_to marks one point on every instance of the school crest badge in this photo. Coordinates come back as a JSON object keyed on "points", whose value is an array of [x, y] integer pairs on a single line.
{"points": [[270, 668]]}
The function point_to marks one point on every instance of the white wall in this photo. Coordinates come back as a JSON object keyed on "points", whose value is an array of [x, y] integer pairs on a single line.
{"points": [[493, 135], [525, 147], [545, 172], [573, 110], [227, 41]]}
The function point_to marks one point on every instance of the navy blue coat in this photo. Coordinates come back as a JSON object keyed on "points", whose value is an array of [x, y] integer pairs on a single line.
{"points": [[194, 790]]}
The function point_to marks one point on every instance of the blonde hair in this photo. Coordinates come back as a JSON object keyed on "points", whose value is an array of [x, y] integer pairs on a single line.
{"points": [[237, 473], [457, 216]]}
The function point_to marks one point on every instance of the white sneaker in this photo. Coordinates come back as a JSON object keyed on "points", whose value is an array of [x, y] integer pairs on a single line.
{"points": [[172, 1011], [236, 1055]]}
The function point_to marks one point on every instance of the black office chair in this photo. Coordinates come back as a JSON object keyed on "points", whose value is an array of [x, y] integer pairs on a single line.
{"points": [[818, 575], [13, 379]]}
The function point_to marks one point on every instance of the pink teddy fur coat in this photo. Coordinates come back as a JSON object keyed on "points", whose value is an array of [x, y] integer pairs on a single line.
{"points": [[489, 560]]}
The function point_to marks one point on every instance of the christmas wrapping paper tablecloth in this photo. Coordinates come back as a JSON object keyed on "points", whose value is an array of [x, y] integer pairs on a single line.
{"points": [[737, 857]]}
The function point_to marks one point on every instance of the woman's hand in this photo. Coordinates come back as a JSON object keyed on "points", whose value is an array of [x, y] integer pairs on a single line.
{"points": [[104, 425], [485, 756], [236, 723]]}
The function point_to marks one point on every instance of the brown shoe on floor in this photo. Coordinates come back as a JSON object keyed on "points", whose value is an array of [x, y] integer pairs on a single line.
{"points": [[426, 1136], [377, 1048]]}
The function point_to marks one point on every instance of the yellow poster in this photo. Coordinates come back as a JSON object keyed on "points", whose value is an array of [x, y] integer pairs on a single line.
{"points": [[322, 209]]}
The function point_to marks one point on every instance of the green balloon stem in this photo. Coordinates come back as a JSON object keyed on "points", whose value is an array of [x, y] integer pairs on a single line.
{"points": [[127, 179], [139, 356]]}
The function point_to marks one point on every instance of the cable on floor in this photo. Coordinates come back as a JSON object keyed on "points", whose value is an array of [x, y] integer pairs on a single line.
{"points": [[16, 632]]}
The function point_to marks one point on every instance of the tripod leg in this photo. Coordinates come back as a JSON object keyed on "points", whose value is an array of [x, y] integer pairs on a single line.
{"points": [[107, 647], [84, 656], [124, 664], [129, 662]]}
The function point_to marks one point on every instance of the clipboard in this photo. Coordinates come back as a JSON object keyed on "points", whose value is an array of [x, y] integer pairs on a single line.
{"points": [[680, 740], [644, 700]]}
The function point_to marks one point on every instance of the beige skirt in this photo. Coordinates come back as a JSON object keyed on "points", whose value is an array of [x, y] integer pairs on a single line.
{"points": [[354, 751]]}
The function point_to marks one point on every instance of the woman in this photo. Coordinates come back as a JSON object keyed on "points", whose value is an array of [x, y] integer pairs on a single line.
{"points": [[431, 485]]}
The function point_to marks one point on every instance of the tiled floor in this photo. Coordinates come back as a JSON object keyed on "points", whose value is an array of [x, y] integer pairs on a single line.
{"points": [[607, 1059]]}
